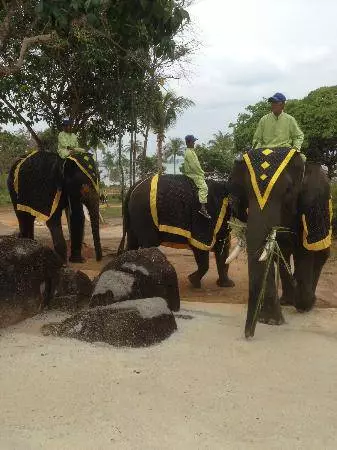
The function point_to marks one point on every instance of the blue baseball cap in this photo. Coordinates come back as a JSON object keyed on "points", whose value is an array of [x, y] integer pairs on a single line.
{"points": [[66, 121], [278, 97], [190, 138]]}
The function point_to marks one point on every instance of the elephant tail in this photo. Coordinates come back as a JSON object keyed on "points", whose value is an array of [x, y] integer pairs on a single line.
{"points": [[126, 220]]}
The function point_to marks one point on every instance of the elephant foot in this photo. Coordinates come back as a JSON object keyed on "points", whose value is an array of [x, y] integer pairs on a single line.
{"points": [[303, 307], [77, 259], [227, 282], [195, 280], [270, 318], [286, 301]]}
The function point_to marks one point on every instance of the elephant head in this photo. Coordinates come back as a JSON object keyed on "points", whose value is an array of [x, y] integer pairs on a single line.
{"points": [[279, 211], [79, 189]]}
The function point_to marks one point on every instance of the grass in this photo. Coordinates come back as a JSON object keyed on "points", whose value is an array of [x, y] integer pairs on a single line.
{"points": [[111, 212], [4, 195]]}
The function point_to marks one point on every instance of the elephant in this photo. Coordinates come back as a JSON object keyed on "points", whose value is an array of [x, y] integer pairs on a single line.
{"points": [[299, 188], [42, 173], [141, 231]]}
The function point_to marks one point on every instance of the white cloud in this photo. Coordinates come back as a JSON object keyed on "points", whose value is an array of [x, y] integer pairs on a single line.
{"points": [[251, 49]]}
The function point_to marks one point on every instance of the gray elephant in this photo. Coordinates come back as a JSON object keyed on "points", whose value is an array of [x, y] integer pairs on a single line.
{"points": [[42, 184], [164, 211], [270, 190]]}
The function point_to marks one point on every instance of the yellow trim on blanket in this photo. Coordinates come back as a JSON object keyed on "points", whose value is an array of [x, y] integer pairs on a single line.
{"points": [[153, 199], [323, 243], [262, 200], [17, 168], [38, 214], [96, 186], [180, 231]]}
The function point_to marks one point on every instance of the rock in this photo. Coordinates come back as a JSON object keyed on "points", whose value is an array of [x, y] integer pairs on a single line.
{"points": [[135, 274], [73, 290], [28, 275], [133, 323]]}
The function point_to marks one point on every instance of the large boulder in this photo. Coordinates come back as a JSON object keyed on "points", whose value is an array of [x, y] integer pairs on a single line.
{"points": [[28, 274], [72, 292], [135, 323], [135, 274]]}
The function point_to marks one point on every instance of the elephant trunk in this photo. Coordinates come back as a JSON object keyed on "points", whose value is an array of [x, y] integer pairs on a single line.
{"points": [[92, 203]]}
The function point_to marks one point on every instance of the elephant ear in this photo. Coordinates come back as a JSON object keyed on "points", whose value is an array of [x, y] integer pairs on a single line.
{"points": [[57, 171]]}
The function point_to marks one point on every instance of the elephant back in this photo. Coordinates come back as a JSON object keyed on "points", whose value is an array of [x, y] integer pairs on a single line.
{"points": [[37, 181], [174, 207]]}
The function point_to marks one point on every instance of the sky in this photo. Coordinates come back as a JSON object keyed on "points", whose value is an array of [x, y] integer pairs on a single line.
{"points": [[251, 49]]}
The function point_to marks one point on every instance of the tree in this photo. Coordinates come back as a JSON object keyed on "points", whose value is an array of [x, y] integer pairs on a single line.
{"points": [[174, 148], [12, 145], [27, 24], [166, 111]]}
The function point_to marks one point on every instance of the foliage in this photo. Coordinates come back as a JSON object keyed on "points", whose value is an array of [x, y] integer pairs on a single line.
{"points": [[316, 115], [217, 158], [11, 147], [27, 24], [334, 205], [4, 195]]}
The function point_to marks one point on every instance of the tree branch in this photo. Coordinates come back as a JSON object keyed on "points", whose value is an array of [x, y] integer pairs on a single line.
{"points": [[23, 120], [26, 44]]}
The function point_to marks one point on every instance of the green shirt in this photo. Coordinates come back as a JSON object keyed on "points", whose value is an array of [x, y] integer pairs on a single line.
{"points": [[192, 167], [281, 131], [66, 140]]}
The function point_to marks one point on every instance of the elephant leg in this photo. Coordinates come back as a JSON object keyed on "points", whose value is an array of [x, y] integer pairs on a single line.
{"points": [[202, 260], [321, 258], [76, 231], [26, 224], [131, 241], [221, 252], [304, 275], [55, 227], [270, 310], [287, 281]]}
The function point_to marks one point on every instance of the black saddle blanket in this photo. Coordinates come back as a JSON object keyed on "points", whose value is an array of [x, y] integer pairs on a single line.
{"points": [[175, 206]]}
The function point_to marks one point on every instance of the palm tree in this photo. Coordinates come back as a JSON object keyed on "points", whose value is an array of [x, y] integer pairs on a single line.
{"points": [[173, 149], [166, 111]]}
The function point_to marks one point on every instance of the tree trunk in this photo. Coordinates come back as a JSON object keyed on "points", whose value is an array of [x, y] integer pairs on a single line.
{"points": [[160, 141], [120, 164], [174, 163], [134, 160], [131, 159], [24, 121]]}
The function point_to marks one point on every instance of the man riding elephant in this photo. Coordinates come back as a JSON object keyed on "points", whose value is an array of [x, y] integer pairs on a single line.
{"points": [[278, 129], [67, 140], [193, 170]]}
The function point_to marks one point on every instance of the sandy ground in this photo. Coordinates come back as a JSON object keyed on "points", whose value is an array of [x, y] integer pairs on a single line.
{"points": [[206, 387]]}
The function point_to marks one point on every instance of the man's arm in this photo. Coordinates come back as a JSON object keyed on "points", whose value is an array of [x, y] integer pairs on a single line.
{"points": [[257, 138], [297, 135]]}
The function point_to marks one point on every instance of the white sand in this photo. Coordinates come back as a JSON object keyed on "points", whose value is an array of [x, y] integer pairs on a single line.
{"points": [[204, 388]]}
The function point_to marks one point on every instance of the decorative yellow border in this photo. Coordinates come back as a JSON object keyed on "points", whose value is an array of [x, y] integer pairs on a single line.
{"points": [[17, 168], [262, 200], [96, 186], [38, 214], [322, 244], [181, 231]]}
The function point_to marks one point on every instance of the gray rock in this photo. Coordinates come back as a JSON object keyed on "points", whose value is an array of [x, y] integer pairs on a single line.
{"points": [[72, 292], [28, 274], [135, 274], [135, 323]]}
